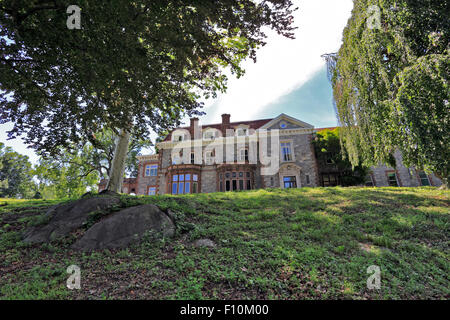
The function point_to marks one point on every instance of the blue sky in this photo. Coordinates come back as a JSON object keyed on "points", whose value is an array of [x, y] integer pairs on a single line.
{"points": [[311, 102], [289, 76]]}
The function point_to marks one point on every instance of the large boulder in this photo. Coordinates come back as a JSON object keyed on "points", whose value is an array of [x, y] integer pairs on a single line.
{"points": [[65, 218], [125, 227]]}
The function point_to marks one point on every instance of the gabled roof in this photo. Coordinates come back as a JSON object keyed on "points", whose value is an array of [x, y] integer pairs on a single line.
{"points": [[288, 119], [252, 124]]}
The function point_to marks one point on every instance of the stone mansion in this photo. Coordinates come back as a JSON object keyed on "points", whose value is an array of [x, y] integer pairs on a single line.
{"points": [[246, 155]]}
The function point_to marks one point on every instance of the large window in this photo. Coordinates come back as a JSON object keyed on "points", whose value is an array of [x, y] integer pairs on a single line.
{"points": [[290, 182], [151, 170], [424, 181], [235, 181], [184, 183], [209, 159], [286, 151], [175, 184], [151, 191], [392, 179], [181, 184], [330, 180], [243, 155]]}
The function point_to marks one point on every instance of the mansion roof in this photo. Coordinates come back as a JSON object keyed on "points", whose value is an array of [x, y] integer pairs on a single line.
{"points": [[252, 124]]}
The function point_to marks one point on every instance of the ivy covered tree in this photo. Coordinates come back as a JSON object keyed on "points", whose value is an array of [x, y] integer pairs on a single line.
{"points": [[391, 83], [331, 157], [3, 180], [132, 66]]}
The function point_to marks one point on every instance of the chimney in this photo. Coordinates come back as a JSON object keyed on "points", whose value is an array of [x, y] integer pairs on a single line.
{"points": [[194, 122], [225, 122], [225, 118]]}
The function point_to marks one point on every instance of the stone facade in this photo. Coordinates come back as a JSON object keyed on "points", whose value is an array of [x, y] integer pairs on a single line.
{"points": [[148, 178], [231, 156], [383, 176]]}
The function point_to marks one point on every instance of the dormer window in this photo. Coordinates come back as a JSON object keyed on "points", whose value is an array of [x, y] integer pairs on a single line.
{"points": [[178, 138], [242, 131], [210, 134], [180, 135]]}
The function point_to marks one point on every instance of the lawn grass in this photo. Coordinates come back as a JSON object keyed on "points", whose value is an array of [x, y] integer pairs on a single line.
{"points": [[308, 243]]}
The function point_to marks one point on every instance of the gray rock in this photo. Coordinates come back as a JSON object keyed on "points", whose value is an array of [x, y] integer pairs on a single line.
{"points": [[204, 243], [65, 218], [125, 227], [172, 215], [109, 193]]}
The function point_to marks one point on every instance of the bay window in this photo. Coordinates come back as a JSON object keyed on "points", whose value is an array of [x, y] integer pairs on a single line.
{"points": [[184, 183]]}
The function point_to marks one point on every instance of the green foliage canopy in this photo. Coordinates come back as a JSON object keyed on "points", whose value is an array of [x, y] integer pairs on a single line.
{"points": [[68, 176], [101, 156], [327, 145], [140, 64], [391, 84], [16, 175]]}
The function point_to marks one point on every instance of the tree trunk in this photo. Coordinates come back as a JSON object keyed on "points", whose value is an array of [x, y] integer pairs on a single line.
{"points": [[444, 178], [118, 162]]}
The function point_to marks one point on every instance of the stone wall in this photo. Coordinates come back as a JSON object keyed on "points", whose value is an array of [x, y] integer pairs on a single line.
{"points": [[144, 182], [304, 158], [407, 177], [209, 179], [304, 161]]}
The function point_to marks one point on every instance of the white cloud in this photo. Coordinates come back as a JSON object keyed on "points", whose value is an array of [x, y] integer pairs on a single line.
{"points": [[284, 64]]}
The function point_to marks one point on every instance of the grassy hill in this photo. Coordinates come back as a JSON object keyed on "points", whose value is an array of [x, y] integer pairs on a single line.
{"points": [[309, 243]]}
